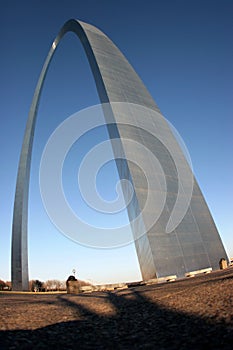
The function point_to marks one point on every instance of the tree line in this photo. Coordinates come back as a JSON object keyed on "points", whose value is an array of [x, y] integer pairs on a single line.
{"points": [[48, 286], [39, 286]]}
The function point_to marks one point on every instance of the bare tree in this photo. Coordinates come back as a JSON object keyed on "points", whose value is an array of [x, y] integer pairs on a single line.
{"points": [[55, 285]]}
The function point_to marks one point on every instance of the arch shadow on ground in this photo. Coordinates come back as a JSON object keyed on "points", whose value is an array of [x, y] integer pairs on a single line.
{"points": [[136, 323]]}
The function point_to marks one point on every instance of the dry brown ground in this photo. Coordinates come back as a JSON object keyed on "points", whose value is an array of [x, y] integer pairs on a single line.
{"points": [[193, 313]]}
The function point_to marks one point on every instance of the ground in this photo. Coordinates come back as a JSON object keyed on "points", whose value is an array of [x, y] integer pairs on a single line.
{"points": [[193, 313]]}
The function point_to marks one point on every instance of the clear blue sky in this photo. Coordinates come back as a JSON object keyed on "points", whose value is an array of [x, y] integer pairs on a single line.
{"points": [[182, 50]]}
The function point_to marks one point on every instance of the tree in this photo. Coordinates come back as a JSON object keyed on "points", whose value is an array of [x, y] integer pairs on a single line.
{"points": [[54, 285], [36, 286], [2, 285]]}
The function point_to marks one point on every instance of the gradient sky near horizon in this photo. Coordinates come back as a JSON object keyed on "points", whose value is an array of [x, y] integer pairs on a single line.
{"points": [[183, 52]]}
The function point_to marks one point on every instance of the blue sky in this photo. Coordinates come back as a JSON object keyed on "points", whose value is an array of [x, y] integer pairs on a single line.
{"points": [[183, 52]]}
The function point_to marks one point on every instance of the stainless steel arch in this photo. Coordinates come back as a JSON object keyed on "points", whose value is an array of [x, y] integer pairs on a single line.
{"points": [[89, 37], [116, 81]]}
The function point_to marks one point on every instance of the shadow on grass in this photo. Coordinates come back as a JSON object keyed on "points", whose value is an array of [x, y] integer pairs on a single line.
{"points": [[137, 324]]}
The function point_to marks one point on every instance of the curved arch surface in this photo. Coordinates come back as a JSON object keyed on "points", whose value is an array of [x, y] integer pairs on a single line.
{"points": [[116, 81]]}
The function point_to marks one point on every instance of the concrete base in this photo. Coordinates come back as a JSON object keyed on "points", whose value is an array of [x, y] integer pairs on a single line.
{"points": [[197, 272]]}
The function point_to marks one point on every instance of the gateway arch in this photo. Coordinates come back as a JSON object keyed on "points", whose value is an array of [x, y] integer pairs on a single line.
{"points": [[168, 247]]}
